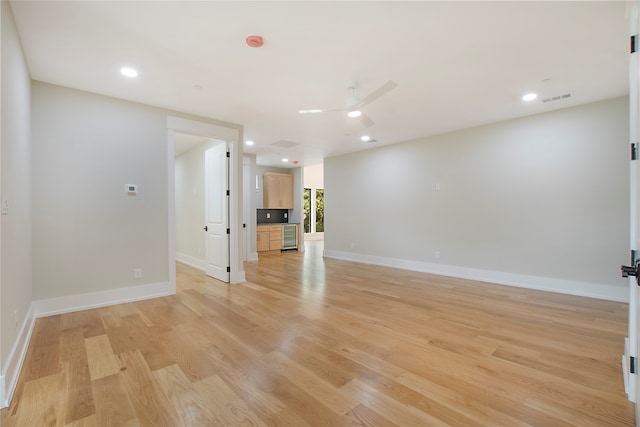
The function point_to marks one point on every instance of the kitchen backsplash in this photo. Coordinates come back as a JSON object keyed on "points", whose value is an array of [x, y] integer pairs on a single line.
{"points": [[276, 216]]}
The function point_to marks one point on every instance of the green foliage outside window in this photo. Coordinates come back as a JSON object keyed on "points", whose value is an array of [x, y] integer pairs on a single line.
{"points": [[319, 211], [307, 210]]}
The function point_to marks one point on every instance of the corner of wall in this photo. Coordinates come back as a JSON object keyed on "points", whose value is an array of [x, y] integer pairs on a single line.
{"points": [[11, 372], [191, 261], [3, 401]]}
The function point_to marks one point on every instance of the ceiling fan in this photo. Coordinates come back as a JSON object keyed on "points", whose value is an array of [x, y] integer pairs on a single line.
{"points": [[355, 104]]}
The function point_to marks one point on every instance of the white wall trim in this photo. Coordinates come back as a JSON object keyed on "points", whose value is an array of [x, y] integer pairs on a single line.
{"points": [[11, 371], [3, 402], [232, 136], [171, 208], [571, 287], [253, 256], [67, 304], [191, 261]]}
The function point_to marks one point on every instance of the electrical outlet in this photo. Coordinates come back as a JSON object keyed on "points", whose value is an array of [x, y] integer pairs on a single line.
{"points": [[137, 273]]}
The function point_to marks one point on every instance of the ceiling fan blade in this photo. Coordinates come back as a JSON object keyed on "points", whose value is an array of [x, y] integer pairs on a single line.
{"points": [[366, 120], [378, 93], [320, 110]]}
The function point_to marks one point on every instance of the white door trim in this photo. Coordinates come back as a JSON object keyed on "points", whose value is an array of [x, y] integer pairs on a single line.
{"points": [[233, 136], [631, 346]]}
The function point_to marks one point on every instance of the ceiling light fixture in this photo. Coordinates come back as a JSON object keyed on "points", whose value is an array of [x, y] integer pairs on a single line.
{"points": [[128, 72], [354, 113], [529, 96], [365, 138], [285, 160], [249, 142]]}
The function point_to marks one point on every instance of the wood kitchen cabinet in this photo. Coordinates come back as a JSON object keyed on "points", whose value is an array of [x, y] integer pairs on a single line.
{"points": [[275, 237], [277, 190], [262, 240], [269, 237]]}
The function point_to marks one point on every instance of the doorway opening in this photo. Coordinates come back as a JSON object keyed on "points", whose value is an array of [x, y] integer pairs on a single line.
{"points": [[176, 126], [201, 204]]}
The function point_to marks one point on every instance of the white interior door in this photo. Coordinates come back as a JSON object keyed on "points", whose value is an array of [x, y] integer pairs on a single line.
{"points": [[217, 212], [246, 194]]}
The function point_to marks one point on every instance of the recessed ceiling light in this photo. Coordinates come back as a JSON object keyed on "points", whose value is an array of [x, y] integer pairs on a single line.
{"points": [[354, 113], [128, 72], [285, 160], [249, 142], [529, 96], [365, 138]]}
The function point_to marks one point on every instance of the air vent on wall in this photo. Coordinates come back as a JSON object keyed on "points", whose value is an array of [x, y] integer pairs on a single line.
{"points": [[557, 98]]}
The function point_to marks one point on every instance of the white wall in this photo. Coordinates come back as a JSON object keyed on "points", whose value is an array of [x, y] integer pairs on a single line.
{"points": [[542, 200], [89, 235], [15, 279], [251, 200], [190, 205], [314, 176], [297, 212]]}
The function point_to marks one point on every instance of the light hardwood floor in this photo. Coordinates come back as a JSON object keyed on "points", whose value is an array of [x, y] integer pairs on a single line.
{"points": [[322, 342]]}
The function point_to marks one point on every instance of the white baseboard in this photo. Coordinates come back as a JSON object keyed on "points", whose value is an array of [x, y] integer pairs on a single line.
{"points": [[191, 261], [67, 304], [11, 370], [571, 287], [238, 277], [201, 265], [253, 256]]}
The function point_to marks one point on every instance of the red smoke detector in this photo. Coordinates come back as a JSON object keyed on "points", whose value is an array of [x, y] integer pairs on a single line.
{"points": [[254, 41]]}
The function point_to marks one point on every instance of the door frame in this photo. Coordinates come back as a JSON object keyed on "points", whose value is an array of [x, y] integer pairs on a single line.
{"points": [[233, 137], [632, 344]]}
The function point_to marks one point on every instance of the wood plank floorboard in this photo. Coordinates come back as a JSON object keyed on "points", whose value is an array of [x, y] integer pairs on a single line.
{"points": [[308, 341]]}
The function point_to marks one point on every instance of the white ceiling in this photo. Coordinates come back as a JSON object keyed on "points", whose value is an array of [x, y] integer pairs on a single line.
{"points": [[457, 64]]}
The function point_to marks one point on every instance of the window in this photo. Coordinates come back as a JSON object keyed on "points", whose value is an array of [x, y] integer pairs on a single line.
{"points": [[307, 210], [313, 210], [319, 211]]}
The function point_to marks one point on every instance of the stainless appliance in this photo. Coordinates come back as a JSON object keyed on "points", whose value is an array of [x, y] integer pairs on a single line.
{"points": [[289, 236]]}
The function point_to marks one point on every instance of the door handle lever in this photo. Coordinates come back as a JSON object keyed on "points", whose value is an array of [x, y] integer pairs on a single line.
{"points": [[206, 228], [631, 270]]}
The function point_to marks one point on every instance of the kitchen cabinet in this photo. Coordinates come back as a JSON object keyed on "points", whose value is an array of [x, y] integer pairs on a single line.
{"points": [[262, 240], [275, 237], [269, 237], [277, 190], [272, 237]]}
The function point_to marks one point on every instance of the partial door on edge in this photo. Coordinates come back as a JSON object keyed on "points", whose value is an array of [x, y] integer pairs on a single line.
{"points": [[217, 212]]}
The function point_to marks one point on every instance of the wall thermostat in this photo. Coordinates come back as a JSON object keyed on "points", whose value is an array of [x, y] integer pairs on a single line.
{"points": [[131, 188]]}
